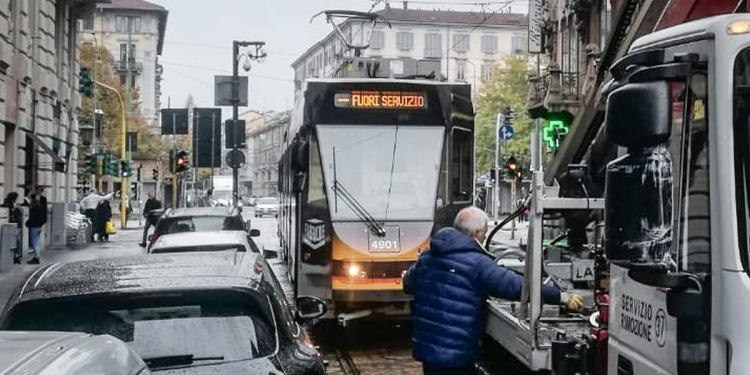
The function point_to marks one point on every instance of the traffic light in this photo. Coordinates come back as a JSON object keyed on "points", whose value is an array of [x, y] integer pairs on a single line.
{"points": [[155, 174], [125, 170], [85, 83], [554, 131], [181, 162], [172, 163], [92, 163], [512, 166]]}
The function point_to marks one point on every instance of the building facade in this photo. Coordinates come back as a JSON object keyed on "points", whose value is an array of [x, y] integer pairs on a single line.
{"points": [[108, 27], [39, 99], [265, 132], [468, 44]]}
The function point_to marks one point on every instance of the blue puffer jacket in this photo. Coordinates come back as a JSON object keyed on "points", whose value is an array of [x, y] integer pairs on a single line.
{"points": [[450, 283]]}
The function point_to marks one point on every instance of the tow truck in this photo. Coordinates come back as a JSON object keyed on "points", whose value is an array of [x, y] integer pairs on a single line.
{"points": [[665, 264]]}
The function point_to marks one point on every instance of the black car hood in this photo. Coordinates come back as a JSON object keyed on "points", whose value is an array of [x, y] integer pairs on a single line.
{"points": [[260, 366]]}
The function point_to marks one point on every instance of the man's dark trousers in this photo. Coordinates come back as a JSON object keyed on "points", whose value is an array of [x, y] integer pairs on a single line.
{"points": [[149, 223], [430, 370]]}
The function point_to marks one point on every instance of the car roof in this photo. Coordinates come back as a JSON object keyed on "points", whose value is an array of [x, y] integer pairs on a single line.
{"points": [[144, 273], [201, 211], [43, 351], [192, 239]]}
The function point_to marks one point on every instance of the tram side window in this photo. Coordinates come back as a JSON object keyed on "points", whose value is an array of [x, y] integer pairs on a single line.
{"points": [[741, 116], [462, 172], [442, 192]]}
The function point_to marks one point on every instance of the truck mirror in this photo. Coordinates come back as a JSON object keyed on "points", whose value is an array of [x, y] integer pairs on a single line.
{"points": [[639, 114], [300, 153], [299, 183]]}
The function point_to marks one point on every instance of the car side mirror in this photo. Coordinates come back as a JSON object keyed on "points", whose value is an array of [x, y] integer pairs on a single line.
{"points": [[309, 307], [254, 233], [269, 254]]}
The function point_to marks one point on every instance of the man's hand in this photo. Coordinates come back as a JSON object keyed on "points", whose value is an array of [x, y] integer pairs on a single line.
{"points": [[572, 302]]}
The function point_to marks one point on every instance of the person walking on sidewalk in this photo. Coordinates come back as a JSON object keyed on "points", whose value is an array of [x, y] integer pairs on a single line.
{"points": [[37, 219], [89, 204], [450, 283], [103, 216], [152, 204], [15, 216]]}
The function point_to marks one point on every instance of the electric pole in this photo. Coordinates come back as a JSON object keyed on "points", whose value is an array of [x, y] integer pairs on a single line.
{"points": [[259, 55]]}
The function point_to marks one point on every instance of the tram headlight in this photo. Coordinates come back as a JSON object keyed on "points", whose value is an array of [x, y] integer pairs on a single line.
{"points": [[354, 270]]}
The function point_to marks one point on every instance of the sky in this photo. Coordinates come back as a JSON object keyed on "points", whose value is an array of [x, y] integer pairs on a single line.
{"points": [[199, 35]]}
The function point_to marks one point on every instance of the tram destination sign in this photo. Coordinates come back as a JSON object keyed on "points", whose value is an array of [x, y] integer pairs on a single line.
{"points": [[380, 100]]}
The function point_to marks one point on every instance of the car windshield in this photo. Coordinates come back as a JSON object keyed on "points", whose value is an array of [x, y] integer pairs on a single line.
{"points": [[391, 171], [268, 201], [200, 224], [191, 249], [222, 324]]}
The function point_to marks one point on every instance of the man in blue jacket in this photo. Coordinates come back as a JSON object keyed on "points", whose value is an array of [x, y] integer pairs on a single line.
{"points": [[450, 283]]}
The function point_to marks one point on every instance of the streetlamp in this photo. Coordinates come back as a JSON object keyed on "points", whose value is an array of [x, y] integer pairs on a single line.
{"points": [[258, 55], [87, 134]]}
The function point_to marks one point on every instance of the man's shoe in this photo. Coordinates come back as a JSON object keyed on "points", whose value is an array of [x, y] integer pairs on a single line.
{"points": [[33, 260], [17, 260], [142, 244]]}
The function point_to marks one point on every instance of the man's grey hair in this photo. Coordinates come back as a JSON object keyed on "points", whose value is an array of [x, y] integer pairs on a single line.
{"points": [[470, 220]]}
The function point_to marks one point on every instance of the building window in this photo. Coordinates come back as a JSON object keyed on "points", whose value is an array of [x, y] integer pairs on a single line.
{"points": [[125, 54], [377, 39], [461, 42], [605, 13], [461, 70], [517, 45], [135, 24], [489, 44], [405, 40], [87, 23], [433, 45], [119, 23], [487, 70]]}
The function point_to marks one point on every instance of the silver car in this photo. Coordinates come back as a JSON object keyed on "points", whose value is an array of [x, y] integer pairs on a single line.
{"points": [[267, 206], [67, 353]]}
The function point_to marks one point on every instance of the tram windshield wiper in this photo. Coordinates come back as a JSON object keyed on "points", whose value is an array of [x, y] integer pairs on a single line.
{"points": [[353, 204], [356, 207]]}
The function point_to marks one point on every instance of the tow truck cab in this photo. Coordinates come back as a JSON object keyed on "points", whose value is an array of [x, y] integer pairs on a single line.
{"points": [[677, 210]]}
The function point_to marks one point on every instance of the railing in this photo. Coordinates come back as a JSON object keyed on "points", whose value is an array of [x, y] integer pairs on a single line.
{"points": [[122, 65], [571, 85]]}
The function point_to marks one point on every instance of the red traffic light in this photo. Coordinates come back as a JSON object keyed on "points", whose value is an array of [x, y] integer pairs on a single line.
{"points": [[512, 164], [181, 162]]}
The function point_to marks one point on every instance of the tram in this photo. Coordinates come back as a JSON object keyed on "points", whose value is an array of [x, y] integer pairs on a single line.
{"points": [[370, 169]]}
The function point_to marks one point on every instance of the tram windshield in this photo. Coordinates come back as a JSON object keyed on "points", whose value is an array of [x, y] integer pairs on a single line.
{"points": [[391, 171]]}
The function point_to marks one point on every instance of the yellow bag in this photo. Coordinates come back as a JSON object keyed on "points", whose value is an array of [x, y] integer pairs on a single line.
{"points": [[110, 227]]}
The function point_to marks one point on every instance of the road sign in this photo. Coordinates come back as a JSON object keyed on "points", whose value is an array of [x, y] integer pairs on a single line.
{"points": [[223, 91], [235, 159], [234, 133], [174, 121], [506, 132]]}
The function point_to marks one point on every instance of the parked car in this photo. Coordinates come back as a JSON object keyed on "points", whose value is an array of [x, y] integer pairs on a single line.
{"points": [[196, 313], [267, 206], [205, 242], [198, 219], [67, 353]]}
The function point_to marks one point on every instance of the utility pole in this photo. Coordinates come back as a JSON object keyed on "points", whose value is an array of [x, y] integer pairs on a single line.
{"points": [[124, 183], [259, 55], [496, 189]]}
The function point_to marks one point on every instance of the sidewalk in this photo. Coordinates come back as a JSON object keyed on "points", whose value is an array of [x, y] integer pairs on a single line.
{"points": [[124, 243]]}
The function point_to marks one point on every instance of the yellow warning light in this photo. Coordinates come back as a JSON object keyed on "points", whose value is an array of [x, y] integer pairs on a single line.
{"points": [[738, 27]]}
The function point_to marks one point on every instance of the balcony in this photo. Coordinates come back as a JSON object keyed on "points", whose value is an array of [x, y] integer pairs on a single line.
{"points": [[122, 66]]}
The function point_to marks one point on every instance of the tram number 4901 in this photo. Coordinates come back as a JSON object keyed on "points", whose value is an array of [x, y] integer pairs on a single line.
{"points": [[384, 245]]}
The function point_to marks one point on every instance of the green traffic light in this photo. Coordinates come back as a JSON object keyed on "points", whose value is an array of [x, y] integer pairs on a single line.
{"points": [[553, 131]]}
